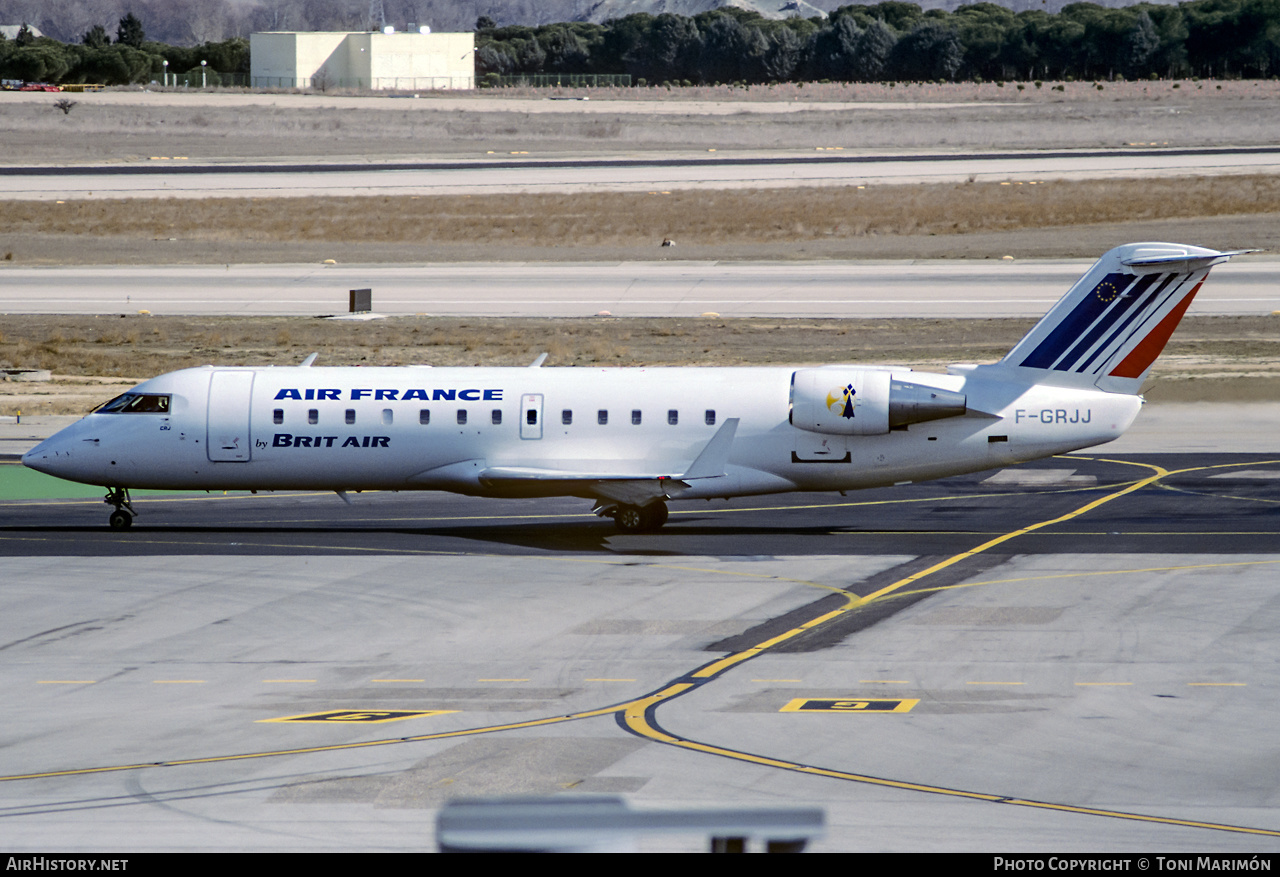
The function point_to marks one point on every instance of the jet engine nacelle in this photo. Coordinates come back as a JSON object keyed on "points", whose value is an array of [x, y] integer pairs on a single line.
{"points": [[863, 401]]}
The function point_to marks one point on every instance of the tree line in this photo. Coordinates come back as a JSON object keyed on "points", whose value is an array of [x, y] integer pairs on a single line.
{"points": [[898, 41], [889, 41], [129, 57]]}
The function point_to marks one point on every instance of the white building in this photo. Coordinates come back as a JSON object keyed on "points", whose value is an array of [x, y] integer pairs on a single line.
{"points": [[362, 60]]}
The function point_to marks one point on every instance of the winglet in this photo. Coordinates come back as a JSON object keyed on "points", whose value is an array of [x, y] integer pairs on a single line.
{"points": [[306, 363], [537, 363], [715, 456]]}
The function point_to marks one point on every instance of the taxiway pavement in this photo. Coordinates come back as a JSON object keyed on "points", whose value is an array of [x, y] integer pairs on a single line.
{"points": [[502, 174], [938, 288], [1081, 650]]}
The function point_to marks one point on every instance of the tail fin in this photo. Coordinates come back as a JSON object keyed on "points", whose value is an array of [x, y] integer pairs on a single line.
{"points": [[1110, 327]]}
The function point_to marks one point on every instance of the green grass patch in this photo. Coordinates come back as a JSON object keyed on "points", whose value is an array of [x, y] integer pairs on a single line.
{"points": [[19, 482]]}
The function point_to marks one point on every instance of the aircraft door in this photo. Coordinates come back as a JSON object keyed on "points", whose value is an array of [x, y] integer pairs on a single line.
{"points": [[227, 438], [531, 416]]}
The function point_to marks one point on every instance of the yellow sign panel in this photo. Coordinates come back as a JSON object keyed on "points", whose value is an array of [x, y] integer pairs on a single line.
{"points": [[367, 717], [849, 705]]}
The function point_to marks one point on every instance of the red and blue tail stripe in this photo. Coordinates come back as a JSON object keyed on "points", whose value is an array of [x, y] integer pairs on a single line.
{"points": [[1110, 327]]}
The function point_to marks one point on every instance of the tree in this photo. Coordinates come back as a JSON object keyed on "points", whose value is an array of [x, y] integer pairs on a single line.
{"points": [[783, 55], [724, 49], [1139, 47], [46, 61], [24, 36], [832, 49], [984, 29], [666, 49], [930, 51], [530, 56], [492, 59], [130, 32], [96, 37], [1170, 24], [898, 15], [872, 51], [566, 52], [228, 56]]}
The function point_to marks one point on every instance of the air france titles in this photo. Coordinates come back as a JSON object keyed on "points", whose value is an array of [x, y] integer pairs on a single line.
{"points": [[288, 440], [382, 395]]}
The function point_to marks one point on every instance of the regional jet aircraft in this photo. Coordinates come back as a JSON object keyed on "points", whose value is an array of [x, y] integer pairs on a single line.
{"points": [[632, 439]]}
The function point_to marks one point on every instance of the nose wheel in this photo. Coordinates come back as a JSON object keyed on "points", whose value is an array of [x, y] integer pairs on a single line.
{"points": [[122, 517]]}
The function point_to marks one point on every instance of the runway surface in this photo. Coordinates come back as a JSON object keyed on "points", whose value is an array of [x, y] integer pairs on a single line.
{"points": [[1084, 648], [938, 288], [169, 177]]}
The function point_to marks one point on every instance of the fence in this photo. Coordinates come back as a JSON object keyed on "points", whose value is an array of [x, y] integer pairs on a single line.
{"points": [[207, 79], [554, 80]]}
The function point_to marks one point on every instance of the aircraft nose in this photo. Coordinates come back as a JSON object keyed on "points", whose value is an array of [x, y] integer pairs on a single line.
{"points": [[61, 456], [44, 458]]}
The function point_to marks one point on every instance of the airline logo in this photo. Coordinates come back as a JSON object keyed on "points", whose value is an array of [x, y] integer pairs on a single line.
{"points": [[840, 401], [389, 395], [1122, 308]]}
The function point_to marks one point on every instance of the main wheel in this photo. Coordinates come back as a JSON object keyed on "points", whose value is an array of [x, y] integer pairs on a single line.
{"points": [[634, 519], [629, 519], [120, 520], [657, 514]]}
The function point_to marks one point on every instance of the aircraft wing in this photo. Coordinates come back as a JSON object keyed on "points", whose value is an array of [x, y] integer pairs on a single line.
{"points": [[627, 489], [631, 488]]}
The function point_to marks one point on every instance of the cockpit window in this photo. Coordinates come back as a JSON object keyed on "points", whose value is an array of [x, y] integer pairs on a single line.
{"points": [[136, 403]]}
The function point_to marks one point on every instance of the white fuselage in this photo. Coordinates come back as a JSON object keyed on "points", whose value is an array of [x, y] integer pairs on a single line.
{"points": [[402, 429]]}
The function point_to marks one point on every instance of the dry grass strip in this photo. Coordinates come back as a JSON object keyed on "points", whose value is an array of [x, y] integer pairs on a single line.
{"points": [[1209, 358], [140, 346], [693, 217]]}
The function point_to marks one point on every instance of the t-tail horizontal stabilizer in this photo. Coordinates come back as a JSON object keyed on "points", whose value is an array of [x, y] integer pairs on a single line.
{"points": [[1109, 328]]}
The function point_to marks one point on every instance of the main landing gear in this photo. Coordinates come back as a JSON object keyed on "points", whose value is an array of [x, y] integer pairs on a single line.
{"points": [[122, 517], [640, 519]]}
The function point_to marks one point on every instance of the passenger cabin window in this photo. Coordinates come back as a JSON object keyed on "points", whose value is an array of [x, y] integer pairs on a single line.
{"points": [[635, 417], [277, 416], [313, 416], [387, 416], [424, 416], [711, 417], [602, 417], [566, 417], [136, 403], [673, 417], [351, 415], [462, 417], [497, 417], [531, 417]]}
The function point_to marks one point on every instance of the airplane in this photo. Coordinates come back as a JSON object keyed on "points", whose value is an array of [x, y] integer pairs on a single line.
{"points": [[634, 439]]}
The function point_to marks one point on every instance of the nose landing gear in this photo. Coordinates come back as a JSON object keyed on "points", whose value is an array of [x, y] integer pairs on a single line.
{"points": [[122, 517]]}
